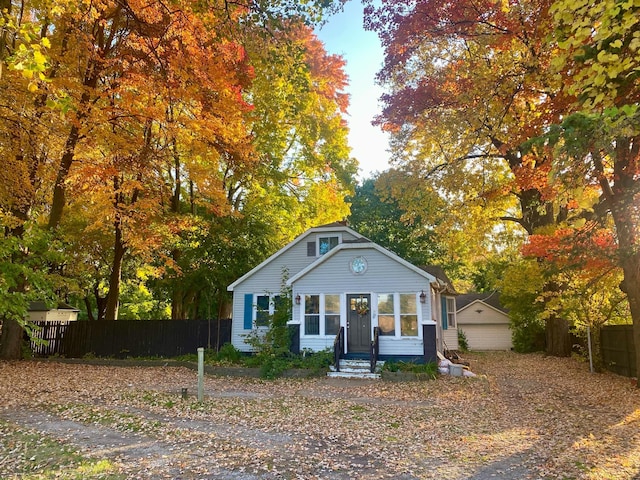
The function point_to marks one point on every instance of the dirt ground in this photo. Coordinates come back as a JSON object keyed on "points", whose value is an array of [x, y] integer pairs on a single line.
{"points": [[522, 417]]}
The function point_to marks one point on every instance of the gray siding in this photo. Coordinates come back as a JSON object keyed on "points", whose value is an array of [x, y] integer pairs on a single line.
{"points": [[383, 275], [269, 279]]}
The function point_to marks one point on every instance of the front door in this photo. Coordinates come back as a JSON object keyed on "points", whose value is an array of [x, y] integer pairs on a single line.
{"points": [[358, 323]]}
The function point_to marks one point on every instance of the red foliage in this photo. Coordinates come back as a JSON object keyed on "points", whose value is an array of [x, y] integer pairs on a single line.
{"points": [[588, 247]]}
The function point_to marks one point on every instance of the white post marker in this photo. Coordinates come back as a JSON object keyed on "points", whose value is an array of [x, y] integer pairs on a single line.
{"points": [[589, 346], [200, 373]]}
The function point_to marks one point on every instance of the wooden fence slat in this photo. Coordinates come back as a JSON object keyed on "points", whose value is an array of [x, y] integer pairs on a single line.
{"points": [[128, 338], [618, 350]]}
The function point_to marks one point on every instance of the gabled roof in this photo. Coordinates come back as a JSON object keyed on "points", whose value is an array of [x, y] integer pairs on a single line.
{"points": [[40, 306], [444, 284], [362, 243], [330, 227], [491, 299]]}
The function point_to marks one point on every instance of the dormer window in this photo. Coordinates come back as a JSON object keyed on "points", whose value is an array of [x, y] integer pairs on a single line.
{"points": [[323, 244], [327, 243]]}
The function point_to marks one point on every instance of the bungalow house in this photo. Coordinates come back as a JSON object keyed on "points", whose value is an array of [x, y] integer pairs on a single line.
{"points": [[484, 321], [347, 289]]}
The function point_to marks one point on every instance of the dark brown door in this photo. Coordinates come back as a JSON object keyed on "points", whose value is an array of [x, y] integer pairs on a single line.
{"points": [[358, 323]]}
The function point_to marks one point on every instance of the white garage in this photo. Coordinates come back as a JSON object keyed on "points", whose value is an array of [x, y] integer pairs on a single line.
{"points": [[484, 321]]}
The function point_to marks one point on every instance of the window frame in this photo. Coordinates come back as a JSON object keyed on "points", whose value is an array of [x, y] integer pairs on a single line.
{"points": [[398, 314], [414, 313], [452, 321], [273, 300], [387, 314], [337, 236], [322, 327]]}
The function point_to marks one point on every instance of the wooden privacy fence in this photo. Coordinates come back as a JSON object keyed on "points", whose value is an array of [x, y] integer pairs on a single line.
{"points": [[128, 338], [618, 350]]}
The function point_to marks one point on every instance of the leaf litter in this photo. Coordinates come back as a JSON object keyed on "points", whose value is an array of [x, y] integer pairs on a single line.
{"points": [[523, 416]]}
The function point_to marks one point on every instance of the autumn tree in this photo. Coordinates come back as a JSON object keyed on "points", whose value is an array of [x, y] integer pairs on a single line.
{"points": [[468, 85], [139, 118], [377, 215], [599, 143]]}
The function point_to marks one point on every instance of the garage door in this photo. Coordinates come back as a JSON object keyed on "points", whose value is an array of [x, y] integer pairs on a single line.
{"points": [[487, 337]]}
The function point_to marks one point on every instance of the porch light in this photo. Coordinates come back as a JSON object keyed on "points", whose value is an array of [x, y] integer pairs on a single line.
{"points": [[423, 297], [298, 299]]}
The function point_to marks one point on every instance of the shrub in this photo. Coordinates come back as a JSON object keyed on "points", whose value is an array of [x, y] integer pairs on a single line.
{"points": [[430, 369], [463, 343], [229, 353]]}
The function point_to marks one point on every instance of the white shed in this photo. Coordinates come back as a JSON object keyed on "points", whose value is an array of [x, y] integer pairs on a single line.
{"points": [[39, 312], [484, 321]]}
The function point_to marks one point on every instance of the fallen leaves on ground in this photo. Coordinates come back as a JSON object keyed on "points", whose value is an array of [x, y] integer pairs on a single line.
{"points": [[524, 416]]}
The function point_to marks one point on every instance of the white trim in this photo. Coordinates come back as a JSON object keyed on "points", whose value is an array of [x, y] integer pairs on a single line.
{"points": [[449, 312], [485, 304], [287, 247], [321, 314], [338, 235], [359, 246], [397, 316], [271, 311]]}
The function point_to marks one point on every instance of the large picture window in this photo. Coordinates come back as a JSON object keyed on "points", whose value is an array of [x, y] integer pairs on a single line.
{"points": [[398, 314]]}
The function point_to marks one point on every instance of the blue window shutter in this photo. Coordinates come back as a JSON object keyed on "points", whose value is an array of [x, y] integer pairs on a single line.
{"points": [[445, 326], [248, 311]]}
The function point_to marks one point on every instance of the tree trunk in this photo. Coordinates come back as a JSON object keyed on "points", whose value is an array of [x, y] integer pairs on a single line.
{"points": [[558, 341], [11, 340], [622, 198], [630, 263], [84, 108], [113, 298]]}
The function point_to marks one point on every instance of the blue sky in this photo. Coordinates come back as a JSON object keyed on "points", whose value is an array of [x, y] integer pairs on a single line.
{"points": [[344, 35]]}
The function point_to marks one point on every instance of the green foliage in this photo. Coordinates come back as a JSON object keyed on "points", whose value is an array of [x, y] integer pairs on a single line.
{"points": [[521, 287], [377, 215], [229, 353], [430, 368], [463, 343], [272, 345], [40, 457]]}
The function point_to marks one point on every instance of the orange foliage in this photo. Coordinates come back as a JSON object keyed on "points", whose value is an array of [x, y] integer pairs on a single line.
{"points": [[589, 247]]}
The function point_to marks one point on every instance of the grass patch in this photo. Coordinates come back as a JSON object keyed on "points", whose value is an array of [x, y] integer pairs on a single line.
{"points": [[271, 366], [31, 456], [430, 369]]}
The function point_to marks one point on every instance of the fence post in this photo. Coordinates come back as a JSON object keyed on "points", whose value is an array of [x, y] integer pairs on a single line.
{"points": [[200, 374]]}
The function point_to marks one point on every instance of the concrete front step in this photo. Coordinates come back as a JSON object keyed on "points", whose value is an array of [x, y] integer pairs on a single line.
{"points": [[362, 375], [355, 369]]}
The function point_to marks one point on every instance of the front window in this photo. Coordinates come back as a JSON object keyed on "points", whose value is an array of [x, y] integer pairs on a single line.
{"points": [[322, 314], [408, 315], [266, 306], [398, 314], [331, 314], [325, 244], [312, 314], [386, 314]]}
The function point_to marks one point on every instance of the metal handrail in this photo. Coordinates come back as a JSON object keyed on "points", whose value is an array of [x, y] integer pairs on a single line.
{"points": [[338, 344], [375, 349]]}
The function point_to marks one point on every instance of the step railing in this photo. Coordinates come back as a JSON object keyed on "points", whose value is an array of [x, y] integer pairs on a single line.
{"points": [[338, 345], [375, 349]]}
